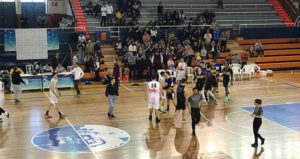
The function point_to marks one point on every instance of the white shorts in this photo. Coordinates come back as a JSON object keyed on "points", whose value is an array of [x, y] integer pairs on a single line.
{"points": [[153, 101], [163, 96], [53, 99]]}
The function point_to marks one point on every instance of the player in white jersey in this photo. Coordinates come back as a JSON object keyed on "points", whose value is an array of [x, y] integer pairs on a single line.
{"points": [[53, 94], [153, 91], [163, 94], [2, 88]]}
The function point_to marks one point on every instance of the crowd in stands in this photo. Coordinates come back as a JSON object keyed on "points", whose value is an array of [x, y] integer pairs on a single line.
{"points": [[144, 53]]}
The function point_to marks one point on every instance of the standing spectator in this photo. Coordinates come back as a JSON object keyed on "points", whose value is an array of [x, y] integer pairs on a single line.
{"points": [[224, 38], [157, 61], [111, 93], [16, 80], [81, 49], [160, 11], [153, 32], [78, 74], [214, 51], [132, 47], [119, 47], [110, 16], [257, 115], [104, 15], [89, 63], [251, 51], [181, 17], [116, 71], [89, 48], [207, 39], [181, 70], [56, 60], [131, 59], [119, 17], [97, 49], [171, 64], [89, 8], [82, 39], [75, 59], [140, 63]]}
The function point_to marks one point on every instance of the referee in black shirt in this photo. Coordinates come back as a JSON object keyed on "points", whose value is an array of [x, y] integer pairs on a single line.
{"points": [[257, 114]]}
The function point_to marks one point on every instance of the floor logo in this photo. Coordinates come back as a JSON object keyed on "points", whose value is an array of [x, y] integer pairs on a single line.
{"points": [[85, 139]]}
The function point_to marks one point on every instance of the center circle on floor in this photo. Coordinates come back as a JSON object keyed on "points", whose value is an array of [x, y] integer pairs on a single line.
{"points": [[80, 139]]}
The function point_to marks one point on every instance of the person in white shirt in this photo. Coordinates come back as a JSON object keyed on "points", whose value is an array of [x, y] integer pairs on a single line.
{"points": [[53, 94], [75, 59], [132, 48], [78, 74], [2, 111], [104, 15], [207, 39], [181, 70], [153, 91], [110, 14], [81, 39]]}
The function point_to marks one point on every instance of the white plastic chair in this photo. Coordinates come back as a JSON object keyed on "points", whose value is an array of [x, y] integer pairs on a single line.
{"points": [[237, 72], [235, 65], [247, 71]]}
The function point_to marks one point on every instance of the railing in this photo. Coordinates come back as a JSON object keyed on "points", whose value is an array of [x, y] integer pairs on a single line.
{"points": [[261, 25], [289, 7], [221, 13]]}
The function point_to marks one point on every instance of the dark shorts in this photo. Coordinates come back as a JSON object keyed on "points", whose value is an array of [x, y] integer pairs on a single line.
{"points": [[208, 87], [199, 86], [225, 83], [215, 82], [170, 95], [180, 105]]}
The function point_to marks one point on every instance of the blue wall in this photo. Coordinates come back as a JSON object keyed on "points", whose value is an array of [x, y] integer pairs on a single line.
{"points": [[262, 33], [32, 11], [8, 59], [7, 15]]}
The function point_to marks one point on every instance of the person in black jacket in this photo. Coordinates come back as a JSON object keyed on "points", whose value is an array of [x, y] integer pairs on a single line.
{"points": [[111, 93], [16, 81]]}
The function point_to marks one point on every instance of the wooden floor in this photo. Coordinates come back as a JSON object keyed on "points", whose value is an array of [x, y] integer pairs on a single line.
{"points": [[225, 130]]}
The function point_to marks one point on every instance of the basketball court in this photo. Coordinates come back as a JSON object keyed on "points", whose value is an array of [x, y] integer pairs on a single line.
{"points": [[225, 130]]}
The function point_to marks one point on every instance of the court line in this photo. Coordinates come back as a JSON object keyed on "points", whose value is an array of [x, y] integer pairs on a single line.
{"points": [[126, 88], [95, 154], [88, 94], [274, 122], [229, 121], [221, 127]]}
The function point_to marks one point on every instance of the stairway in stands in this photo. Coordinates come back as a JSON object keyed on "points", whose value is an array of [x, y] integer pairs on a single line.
{"points": [[282, 13], [80, 22]]}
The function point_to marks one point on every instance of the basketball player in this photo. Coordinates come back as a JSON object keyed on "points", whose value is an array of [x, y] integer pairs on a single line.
{"points": [[169, 90], [163, 97], [200, 81], [53, 94], [208, 87], [227, 77], [153, 91], [2, 88], [181, 98], [257, 114]]}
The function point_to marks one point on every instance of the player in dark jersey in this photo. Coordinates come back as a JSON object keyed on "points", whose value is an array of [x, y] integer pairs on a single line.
{"points": [[208, 87], [181, 98], [199, 78], [227, 78], [169, 90]]}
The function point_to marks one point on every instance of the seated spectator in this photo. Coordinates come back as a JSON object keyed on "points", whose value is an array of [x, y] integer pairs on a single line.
{"points": [[236, 59], [60, 68], [47, 69], [132, 47], [89, 49], [89, 62], [56, 60], [146, 38], [119, 17], [97, 9], [82, 39], [259, 49], [89, 8], [153, 34], [171, 64], [118, 47], [251, 51], [37, 68], [214, 50], [203, 53], [97, 49]]}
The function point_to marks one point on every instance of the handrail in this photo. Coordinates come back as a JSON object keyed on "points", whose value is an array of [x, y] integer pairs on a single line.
{"points": [[261, 24], [212, 4], [239, 12]]}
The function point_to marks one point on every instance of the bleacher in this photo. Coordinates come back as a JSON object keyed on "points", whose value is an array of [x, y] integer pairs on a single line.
{"points": [[235, 12], [279, 53]]}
